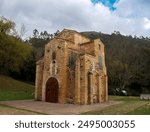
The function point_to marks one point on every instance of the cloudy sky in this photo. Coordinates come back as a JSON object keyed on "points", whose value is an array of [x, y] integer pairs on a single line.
{"points": [[130, 17]]}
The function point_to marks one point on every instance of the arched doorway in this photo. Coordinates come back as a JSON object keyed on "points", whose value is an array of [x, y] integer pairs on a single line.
{"points": [[52, 90]]}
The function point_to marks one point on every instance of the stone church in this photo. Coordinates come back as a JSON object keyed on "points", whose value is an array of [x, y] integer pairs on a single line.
{"points": [[72, 70]]}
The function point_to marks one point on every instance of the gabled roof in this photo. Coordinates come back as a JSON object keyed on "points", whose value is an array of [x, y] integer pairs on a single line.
{"points": [[73, 31]]}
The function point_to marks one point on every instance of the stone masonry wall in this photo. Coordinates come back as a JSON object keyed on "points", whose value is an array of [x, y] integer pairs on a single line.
{"points": [[73, 60]]}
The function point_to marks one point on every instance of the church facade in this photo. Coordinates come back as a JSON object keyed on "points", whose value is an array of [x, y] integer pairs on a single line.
{"points": [[72, 70]]}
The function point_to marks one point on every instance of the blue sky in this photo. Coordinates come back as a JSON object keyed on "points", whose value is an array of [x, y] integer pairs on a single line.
{"points": [[108, 3], [130, 17]]}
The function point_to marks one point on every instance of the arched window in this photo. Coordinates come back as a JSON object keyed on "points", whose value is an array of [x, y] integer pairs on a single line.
{"points": [[100, 62], [54, 56], [72, 60]]}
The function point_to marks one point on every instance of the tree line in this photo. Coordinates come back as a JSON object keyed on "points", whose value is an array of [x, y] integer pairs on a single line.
{"points": [[127, 57], [127, 61]]}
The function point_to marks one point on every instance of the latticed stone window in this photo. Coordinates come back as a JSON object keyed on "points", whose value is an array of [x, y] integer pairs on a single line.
{"points": [[100, 62], [54, 56], [72, 60]]}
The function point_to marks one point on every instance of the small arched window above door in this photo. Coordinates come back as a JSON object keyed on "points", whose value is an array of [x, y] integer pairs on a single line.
{"points": [[54, 56]]}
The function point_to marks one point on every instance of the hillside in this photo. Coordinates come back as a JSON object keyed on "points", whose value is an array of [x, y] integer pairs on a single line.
{"points": [[11, 89]]}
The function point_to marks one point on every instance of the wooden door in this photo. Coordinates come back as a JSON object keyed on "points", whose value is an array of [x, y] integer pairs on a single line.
{"points": [[52, 90]]}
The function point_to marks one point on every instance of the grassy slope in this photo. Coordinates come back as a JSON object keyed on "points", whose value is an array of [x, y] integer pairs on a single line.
{"points": [[11, 89], [129, 106]]}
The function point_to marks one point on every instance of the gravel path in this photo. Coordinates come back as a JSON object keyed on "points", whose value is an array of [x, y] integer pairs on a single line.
{"points": [[38, 107]]}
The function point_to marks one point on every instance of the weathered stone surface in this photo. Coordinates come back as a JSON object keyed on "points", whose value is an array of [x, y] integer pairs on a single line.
{"points": [[78, 65]]}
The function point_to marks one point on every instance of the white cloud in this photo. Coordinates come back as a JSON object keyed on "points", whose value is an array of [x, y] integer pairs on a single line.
{"points": [[81, 15], [146, 23], [133, 8]]}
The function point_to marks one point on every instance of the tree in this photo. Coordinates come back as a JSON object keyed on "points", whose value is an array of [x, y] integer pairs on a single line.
{"points": [[56, 33], [13, 52], [42, 35], [6, 26], [22, 31], [35, 33], [51, 36], [39, 40]]}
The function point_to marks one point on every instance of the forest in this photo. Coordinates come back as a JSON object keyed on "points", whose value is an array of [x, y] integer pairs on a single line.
{"points": [[127, 61], [127, 57]]}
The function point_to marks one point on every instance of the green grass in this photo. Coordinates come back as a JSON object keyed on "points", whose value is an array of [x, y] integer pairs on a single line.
{"points": [[144, 110], [128, 106], [11, 89]]}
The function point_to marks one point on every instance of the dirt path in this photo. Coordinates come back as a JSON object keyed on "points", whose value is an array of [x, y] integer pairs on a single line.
{"points": [[6, 110], [33, 107]]}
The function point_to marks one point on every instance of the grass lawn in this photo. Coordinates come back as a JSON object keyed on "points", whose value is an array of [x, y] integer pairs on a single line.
{"points": [[128, 106], [11, 89]]}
